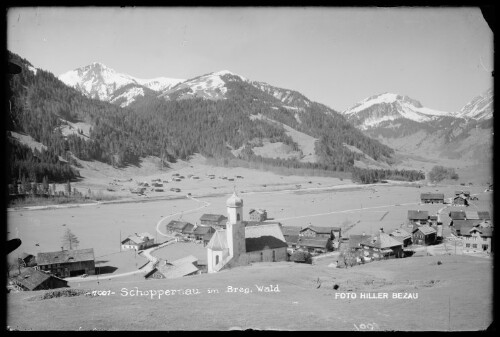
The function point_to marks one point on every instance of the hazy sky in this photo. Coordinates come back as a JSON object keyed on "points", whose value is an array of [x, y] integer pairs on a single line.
{"points": [[442, 57]]}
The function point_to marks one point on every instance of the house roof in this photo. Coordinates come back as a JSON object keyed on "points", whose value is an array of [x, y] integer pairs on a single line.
{"points": [[212, 217], [418, 215], [289, 230], [139, 238], [321, 229], [433, 217], [268, 236], [259, 223], [425, 229], [177, 225], [356, 239], [25, 255], [483, 232], [258, 210], [400, 233], [381, 241], [178, 268], [484, 215], [471, 215], [65, 256], [457, 215], [439, 196], [202, 230], [459, 224], [188, 229], [462, 192], [291, 238], [186, 259], [32, 278], [313, 243], [218, 241]]}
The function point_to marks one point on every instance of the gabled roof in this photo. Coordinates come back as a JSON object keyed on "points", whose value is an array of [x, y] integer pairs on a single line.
{"points": [[180, 270], [177, 225], [186, 259], [471, 215], [321, 230], [139, 238], [262, 237], [400, 233], [32, 278], [259, 223], [289, 230], [418, 215], [212, 217], [433, 196], [425, 229], [381, 241], [457, 215], [313, 242], [356, 239], [258, 210], [458, 224], [291, 238], [218, 241], [188, 229], [65, 256], [202, 230], [483, 232], [462, 192]]}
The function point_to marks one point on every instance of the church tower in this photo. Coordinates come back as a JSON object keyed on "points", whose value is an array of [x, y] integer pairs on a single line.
{"points": [[235, 228]]}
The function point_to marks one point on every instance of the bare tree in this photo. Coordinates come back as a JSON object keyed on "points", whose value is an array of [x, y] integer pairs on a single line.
{"points": [[69, 240]]}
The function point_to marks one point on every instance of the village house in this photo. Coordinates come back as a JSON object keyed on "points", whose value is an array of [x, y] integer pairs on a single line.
{"points": [[67, 263], [385, 244], [355, 240], [257, 214], [402, 236], [185, 266], [176, 227], [218, 221], [424, 235], [240, 245], [188, 230], [291, 235], [203, 233], [316, 244], [460, 200], [419, 217], [476, 239], [431, 198], [27, 260], [32, 279], [138, 241], [465, 194], [456, 229], [317, 231]]}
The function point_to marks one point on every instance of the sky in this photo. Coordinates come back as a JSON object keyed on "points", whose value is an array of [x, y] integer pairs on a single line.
{"points": [[440, 56]]}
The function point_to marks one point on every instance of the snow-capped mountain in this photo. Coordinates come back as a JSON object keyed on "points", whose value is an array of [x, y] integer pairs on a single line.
{"points": [[101, 82], [480, 108], [377, 109]]}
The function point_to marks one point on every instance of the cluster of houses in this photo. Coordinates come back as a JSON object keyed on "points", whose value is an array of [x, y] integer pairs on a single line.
{"points": [[460, 198], [313, 239]]}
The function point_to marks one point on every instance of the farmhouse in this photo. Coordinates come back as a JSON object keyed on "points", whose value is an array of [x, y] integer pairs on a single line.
{"points": [[431, 198], [216, 220], [188, 230], [67, 263], [402, 236], [240, 245], [31, 279], [291, 235], [27, 260], [418, 216], [176, 227], [456, 229], [257, 214], [204, 233], [316, 245], [460, 200], [325, 232], [384, 243], [424, 235], [138, 241], [477, 239]]}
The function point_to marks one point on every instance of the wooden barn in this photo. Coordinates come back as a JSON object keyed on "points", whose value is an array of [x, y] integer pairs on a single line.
{"points": [[67, 263], [424, 235], [431, 198], [31, 279], [215, 220]]}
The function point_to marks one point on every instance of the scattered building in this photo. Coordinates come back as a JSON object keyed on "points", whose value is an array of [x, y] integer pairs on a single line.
{"points": [[431, 198], [420, 217], [67, 263], [138, 241], [424, 235], [215, 220], [32, 279], [239, 245], [257, 214], [402, 236]]}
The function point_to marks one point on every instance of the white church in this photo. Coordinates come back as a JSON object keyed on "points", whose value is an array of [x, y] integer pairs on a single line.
{"points": [[244, 242]]}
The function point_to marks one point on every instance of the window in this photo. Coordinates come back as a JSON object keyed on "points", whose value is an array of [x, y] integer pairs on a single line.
{"points": [[485, 239], [474, 245], [216, 259], [467, 245], [237, 216], [485, 247], [274, 256]]}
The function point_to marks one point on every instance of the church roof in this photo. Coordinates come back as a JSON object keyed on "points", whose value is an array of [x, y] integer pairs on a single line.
{"points": [[264, 237], [218, 241], [234, 201]]}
